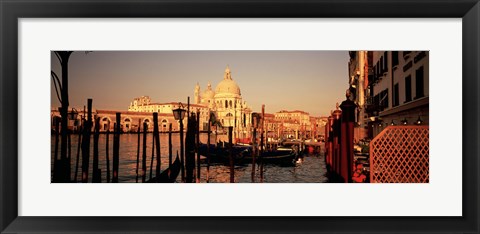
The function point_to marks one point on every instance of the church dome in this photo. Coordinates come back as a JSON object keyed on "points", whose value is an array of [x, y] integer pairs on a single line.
{"points": [[227, 85], [208, 94]]}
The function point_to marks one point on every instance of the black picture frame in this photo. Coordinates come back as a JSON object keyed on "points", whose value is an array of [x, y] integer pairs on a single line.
{"points": [[11, 11]]}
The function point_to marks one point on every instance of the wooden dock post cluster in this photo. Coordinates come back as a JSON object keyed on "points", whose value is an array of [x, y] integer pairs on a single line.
{"points": [[62, 165], [258, 145], [60, 170], [339, 142], [192, 153], [190, 164]]}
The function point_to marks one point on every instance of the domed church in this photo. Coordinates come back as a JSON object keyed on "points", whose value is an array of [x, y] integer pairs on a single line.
{"points": [[226, 102]]}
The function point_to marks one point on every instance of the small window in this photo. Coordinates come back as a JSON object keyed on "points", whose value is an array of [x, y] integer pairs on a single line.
{"points": [[408, 88], [394, 58], [385, 61], [419, 82], [395, 95], [381, 66]]}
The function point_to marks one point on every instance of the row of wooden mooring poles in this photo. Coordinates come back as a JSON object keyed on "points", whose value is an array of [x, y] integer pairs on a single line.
{"points": [[62, 165], [190, 165], [339, 142]]}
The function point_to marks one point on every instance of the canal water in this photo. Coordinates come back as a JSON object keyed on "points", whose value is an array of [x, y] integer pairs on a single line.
{"points": [[311, 169]]}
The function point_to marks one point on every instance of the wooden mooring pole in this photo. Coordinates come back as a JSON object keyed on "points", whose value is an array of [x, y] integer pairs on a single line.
{"points": [[80, 144], [254, 148], [138, 148], [107, 157], [56, 169], [144, 154], [262, 143], [232, 166], [86, 142], [197, 143], [96, 174], [153, 155], [156, 138], [78, 156], [116, 147], [182, 151], [208, 148], [170, 145], [190, 149], [68, 169]]}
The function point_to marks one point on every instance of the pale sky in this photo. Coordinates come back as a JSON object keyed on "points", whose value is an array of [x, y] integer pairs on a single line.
{"points": [[312, 81]]}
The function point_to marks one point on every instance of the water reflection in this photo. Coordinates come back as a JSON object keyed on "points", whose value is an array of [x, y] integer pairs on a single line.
{"points": [[311, 170]]}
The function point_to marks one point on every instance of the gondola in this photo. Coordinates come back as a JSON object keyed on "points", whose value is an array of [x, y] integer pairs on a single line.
{"points": [[240, 153], [169, 175], [282, 156]]}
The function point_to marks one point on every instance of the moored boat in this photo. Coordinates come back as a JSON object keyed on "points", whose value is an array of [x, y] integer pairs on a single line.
{"points": [[240, 153], [282, 155], [169, 175]]}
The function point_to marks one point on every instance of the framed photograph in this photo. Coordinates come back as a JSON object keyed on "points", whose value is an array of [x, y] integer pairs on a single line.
{"points": [[275, 116]]}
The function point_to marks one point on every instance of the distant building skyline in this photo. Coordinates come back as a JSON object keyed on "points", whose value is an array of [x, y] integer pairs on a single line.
{"points": [[310, 81]]}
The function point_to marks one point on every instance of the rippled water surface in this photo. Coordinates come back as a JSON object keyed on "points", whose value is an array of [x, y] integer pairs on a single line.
{"points": [[309, 170]]}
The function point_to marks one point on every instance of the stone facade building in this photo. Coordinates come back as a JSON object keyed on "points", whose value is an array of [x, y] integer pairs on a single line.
{"points": [[227, 104], [390, 88]]}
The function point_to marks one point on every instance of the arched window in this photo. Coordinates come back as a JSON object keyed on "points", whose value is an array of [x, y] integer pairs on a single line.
{"points": [[164, 125], [231, 104], [226, 104]]}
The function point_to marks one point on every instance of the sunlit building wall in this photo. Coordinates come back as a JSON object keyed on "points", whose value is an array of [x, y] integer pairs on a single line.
{"points": [[399, 89]]}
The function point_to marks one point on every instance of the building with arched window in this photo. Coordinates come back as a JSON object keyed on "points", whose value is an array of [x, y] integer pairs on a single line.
{"points": [[227, 104]]}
